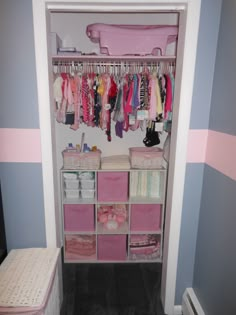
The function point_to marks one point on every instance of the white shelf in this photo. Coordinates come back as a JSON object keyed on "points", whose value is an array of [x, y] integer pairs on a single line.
{"points": [[145, 200], [75, 201], [79, 232], [132, 232], [156, 260], [124, 229]]}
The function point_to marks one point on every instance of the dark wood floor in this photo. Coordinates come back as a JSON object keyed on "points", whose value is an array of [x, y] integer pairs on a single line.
{"points": [[112, 289]]}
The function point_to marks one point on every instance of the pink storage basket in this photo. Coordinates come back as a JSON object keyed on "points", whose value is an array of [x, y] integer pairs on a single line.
{"points": [[145, 217], [146, 158], [112, 247], [76, 160], [78, 218], [132, 39], [113, 186]]}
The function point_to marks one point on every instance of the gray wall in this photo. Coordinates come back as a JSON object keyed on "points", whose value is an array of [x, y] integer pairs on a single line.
{"points": [[214, 272], [223, 109], [201, 103], [205, 62], [19, 108], [189, 227], [22, 198], [21, 183]]}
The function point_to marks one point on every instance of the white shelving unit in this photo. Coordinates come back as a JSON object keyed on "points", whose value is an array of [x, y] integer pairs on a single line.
{"points": [[88, 240]]}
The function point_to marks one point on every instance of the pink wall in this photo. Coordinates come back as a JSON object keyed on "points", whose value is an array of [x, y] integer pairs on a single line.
{"points": [[216, 149], [20, 145]]}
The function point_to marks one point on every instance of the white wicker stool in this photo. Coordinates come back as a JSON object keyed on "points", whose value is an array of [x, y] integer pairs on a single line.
{"points": [[29, 282]]}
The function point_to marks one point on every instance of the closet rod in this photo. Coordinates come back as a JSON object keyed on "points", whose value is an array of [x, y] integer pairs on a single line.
{"points": [[112, 64], [111, 59]]}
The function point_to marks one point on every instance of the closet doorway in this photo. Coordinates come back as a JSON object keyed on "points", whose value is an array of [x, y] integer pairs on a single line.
{"points": [[187, 41]]}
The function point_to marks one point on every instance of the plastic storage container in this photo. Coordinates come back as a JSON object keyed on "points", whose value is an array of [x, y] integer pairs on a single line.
{"points": [[72, 193], [112, 247], [78, 218], [87, 193], [132, 39], [146, 158], [145, 217], [112, 186], [87, 183], [72, 183]]}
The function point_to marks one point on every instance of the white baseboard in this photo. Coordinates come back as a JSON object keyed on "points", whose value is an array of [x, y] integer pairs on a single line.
{"points": [[178, 310]]}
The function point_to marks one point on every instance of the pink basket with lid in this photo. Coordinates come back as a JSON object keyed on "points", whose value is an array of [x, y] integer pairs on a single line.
{"points": [[132, 39], [146, 158]]}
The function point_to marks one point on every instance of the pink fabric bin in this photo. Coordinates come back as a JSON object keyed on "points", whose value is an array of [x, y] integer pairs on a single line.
{"points": [[113, 186], [145, 217], [112, 247], [78, 217], [132, 39]]}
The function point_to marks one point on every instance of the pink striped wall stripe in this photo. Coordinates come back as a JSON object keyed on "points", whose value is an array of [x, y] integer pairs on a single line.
{"points": [[20, 145], [197, 144], [216, 149], [221, 153]]}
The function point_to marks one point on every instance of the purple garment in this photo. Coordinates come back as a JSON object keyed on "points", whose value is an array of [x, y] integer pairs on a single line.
{"points": [[119, 128]]}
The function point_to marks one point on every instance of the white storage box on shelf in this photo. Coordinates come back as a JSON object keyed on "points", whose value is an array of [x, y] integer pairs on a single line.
{"points": [[72, 193], [87, 183], [146, 158], [87, 193], [72, 183], [132, 39], [29, 282]]}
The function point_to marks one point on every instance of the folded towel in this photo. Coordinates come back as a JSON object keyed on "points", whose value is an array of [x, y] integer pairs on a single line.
{"points": [[115, 162]]}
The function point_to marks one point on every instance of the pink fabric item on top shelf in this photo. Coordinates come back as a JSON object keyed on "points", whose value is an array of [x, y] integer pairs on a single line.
{"points": [[131, 39], [80, 245], [144, 244]]}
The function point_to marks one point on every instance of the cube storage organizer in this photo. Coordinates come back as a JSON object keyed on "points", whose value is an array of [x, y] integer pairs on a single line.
{"points": [[105, 228], [132, 39], [29, 282]]}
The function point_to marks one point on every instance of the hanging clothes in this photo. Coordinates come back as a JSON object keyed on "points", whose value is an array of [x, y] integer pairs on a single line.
{"points": [[130, 100]]}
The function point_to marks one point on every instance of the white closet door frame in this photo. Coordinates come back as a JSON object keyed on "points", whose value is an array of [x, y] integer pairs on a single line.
{"points": [[187, 44]]}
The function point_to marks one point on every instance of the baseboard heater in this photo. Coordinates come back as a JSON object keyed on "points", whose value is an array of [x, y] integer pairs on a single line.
{"points": [[190, 303]]}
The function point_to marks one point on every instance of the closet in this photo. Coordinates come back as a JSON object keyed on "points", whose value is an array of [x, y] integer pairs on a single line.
{"points": [[187, 18], [70, 28]]}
